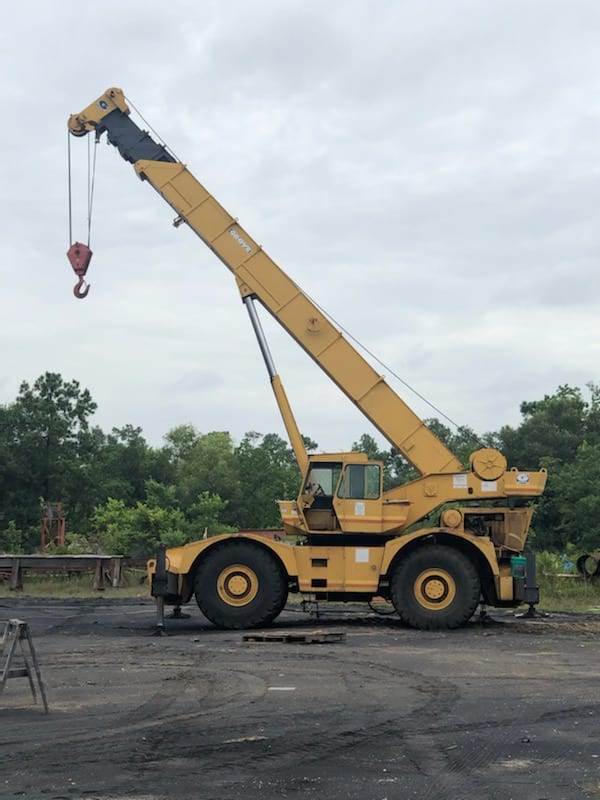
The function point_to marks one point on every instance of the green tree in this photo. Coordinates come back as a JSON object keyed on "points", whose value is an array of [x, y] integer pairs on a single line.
{"points": [[578, 498], [180, 441], [462, 442], [47, 443], [552, 428], [205, 516], [202, 462], [9, 485], [11, 539], [137, 530], [562, 434], [267, 472], [123, 465], [396, 469]]}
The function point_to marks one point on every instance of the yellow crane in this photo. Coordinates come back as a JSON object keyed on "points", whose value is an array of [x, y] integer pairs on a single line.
{"points": [[348, 538]]}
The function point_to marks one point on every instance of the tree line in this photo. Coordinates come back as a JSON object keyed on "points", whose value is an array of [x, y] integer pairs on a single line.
{"points": [[120, 495]]}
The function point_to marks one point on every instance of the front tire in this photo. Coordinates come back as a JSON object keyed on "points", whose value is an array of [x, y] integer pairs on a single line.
{"points": [[435, 588], [240, 585]]}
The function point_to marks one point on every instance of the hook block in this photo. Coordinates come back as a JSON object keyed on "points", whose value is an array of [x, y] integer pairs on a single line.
{"points": [[79, 256]]}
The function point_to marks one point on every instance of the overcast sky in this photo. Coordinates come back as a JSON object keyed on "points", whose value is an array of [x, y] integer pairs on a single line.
{"points": [[428, 171]]}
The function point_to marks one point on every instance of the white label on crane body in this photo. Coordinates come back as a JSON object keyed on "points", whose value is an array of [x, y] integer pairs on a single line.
{"points": [[489, 486], [361, 555], [459, 481], [359, 509], [242, 242]]}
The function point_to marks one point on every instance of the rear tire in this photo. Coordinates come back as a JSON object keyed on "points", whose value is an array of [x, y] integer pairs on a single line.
{"points": [[240, 585], [435, 588]]}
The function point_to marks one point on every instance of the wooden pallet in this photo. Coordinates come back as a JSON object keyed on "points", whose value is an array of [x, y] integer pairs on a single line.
{"points": [[311, 637]]}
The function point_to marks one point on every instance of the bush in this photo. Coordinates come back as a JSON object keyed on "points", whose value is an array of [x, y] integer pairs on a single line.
{"points": [[11, 539]]}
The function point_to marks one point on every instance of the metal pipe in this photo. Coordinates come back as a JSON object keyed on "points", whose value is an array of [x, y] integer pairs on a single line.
{"points": [[260, 336]]}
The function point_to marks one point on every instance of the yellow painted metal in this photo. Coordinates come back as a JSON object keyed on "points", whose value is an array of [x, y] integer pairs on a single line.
{"points": [[402, 507], [317, 569], [348, 569], [329, 569], [181, 560], [237, 585], [90, 117], [434, 589], [488, 464], [292, 519], [504, 583], [451, 518], [360, 516], [479, 545], [257, 274], [324, 569], [338, 569], [426, 494], [320, 569], [291, 426]]}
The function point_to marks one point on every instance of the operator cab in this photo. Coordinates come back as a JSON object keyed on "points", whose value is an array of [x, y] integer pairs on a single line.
{"points": [[342, 494]]}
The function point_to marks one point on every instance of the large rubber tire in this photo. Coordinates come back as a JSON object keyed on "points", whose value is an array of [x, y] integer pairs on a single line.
{"points": [[240, 585], [435, 588]]}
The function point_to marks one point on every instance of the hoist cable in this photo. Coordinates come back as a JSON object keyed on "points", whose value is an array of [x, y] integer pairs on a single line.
{"points": [[418, 394], [459, 428], [152, 130], [91, 179], [91, 183], [69, 188]]}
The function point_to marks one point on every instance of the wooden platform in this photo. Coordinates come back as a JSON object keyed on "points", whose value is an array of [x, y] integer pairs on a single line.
{"points": [[287, 637], [15, 566]]}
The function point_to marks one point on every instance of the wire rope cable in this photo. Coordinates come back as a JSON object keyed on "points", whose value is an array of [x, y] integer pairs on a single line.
{"points": [[360, 345], [91, 184], [392, 372], [152, 130], [69, 190]]}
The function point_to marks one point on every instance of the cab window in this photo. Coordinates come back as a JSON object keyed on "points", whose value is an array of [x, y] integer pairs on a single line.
{"points": [[361, 482], [323, 478]]}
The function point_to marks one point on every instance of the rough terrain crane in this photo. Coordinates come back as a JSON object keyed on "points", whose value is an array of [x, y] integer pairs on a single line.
{"points": [[346, 538]]}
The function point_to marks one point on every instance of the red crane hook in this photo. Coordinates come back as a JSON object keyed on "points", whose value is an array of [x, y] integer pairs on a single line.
{"points": [[77, 290], [79, 256]]}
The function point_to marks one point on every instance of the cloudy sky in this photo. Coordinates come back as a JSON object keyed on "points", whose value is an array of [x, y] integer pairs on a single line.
{"points": [[428, 171]]}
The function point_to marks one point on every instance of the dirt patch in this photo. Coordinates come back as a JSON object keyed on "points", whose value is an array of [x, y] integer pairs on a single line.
{"points": [[501, 709]]}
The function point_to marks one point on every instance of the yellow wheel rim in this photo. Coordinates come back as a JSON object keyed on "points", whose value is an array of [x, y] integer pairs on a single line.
{"points": [[237, 585], [435, 589]]}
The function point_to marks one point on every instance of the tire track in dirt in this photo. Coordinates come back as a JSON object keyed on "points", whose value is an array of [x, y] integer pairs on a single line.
{"points": [[390, 712]]}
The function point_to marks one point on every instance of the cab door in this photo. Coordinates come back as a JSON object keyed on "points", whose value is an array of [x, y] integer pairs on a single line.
{"points": [[357, 503]]}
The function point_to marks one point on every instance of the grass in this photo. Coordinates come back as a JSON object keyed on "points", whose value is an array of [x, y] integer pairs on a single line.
{"points": [[569, 593], [77, 586], [557, 593]]}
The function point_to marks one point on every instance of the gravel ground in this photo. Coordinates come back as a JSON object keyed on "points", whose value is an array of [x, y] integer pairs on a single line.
{"points": [[504, 708]]}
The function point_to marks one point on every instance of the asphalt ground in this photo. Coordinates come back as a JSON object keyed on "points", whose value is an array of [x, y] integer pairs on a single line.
{"points": [[503, 708]]}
